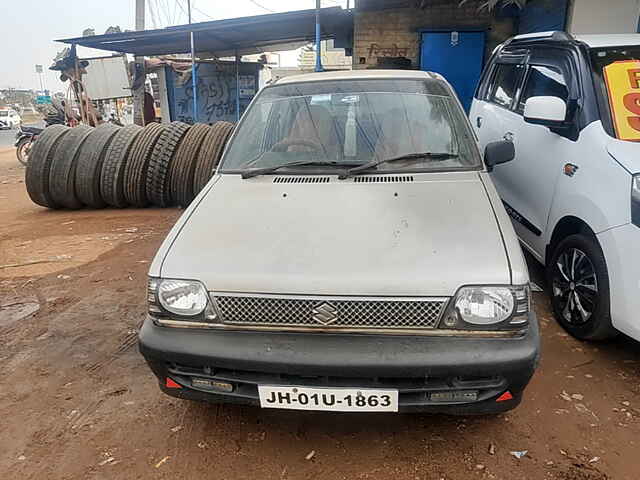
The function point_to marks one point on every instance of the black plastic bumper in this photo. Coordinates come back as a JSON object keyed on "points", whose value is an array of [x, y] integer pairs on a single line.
{"points": [[415, 365]]}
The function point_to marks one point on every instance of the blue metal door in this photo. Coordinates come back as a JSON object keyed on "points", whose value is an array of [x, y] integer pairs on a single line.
{"points": [[458, 56], [543, 16]]}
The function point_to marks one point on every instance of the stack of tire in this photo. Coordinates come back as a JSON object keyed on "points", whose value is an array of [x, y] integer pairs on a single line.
{"points": [[160, 164]]}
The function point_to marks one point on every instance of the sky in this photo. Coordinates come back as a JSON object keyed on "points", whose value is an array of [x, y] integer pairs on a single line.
{"points": [[29, 28]]}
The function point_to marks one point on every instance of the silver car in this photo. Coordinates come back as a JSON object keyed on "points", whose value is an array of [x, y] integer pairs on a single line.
{"points": [[349, 254]]}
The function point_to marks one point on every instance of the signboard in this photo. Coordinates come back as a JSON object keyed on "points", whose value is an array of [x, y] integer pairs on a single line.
{"points": [[107, 78], [216, 91], [623, 85], [43, 99], [247, 86], [38, 68]]}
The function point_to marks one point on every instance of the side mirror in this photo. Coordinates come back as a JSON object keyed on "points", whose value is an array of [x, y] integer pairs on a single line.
{"points": [[496, 153], [547, 111]]}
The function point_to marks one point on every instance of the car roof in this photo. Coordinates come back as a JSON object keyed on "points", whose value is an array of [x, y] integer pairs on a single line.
{"points": [[590, 40], [360, 75], [609, 40]]}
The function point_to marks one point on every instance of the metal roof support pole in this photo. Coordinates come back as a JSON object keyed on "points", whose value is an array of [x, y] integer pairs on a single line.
{"points": [[318, 47], [194, 80], [194, 69], [139, 70], [237, 87]]}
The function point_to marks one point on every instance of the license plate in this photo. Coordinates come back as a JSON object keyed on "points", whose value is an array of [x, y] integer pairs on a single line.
{"points": [[331, 399]]}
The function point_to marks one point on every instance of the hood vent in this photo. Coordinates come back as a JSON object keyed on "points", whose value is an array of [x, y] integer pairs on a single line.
{"points": [[310, 179], [384, 179]]}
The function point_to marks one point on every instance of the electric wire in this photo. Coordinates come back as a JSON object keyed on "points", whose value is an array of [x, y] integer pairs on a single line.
{"points": [[262, 6]]}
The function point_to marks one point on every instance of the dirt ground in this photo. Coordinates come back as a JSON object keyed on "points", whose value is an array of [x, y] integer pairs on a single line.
{"points": [[78, 402]]}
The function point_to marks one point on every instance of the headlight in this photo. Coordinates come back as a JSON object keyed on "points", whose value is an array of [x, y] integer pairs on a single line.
{"points": [[488, 307], [182, 297], [179, 303], [635, 200]]}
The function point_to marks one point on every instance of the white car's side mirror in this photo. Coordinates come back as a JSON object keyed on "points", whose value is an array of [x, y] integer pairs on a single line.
{"points": [[549, 111]]}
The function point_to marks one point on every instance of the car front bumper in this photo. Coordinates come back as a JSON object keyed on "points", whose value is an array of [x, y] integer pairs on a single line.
{"points": [[414, 365], [619, 246]]}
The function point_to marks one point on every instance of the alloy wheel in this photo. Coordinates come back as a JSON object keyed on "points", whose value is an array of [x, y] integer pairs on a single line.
{"points": [[575, 286]]}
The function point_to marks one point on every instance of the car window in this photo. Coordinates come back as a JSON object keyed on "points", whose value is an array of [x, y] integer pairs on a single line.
{"points": [[353, 123], [4, 113], [505, 84], [617, 106], [543, 82]]}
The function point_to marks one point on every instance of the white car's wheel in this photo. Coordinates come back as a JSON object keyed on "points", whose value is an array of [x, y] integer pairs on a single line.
{"points": [[579, 283]]}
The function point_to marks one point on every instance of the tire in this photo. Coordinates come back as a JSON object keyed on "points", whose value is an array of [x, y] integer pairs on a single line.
{"points": [[184, 165], [63, 168], [160, 163], [579, 287], [22, 150], [113, 166], [210, 153], [39, 166], [135, 172], [89, 166]]}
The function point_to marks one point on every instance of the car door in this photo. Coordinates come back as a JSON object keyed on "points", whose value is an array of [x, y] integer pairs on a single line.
{"points": [[527, 184]]}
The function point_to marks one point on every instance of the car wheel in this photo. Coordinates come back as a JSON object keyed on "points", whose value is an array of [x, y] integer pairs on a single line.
{"points": [[579, 284]]}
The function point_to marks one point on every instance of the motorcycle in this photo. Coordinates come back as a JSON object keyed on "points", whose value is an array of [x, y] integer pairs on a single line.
{"points": [[24, 139], [27, 135]]}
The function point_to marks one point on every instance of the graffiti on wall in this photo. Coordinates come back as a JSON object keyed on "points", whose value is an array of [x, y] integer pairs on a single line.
{"points": [[216, 95]]}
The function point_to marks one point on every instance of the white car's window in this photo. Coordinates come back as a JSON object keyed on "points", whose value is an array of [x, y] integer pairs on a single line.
{"points": [[505, 83], [352, 123], [4, 113], [543, 81]]}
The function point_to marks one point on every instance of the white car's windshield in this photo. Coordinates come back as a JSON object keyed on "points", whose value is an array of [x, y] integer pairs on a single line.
{"points": [[615, 73], [351, 123], [4, 113]]}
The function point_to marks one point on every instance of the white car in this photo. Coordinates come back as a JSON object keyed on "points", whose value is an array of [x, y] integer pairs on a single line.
{"points": [[9, 119], [350, 254], [571, 106]]}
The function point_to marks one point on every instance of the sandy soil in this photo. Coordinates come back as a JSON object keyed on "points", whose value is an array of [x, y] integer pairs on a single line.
{"points": [[77, 400]]}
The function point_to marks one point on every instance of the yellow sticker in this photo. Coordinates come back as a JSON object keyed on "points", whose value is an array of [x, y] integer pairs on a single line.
{"points": [[623, 85]]}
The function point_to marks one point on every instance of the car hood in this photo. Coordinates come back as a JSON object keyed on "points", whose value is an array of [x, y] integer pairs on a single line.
{"points": [[626, 153], [428, 236]]}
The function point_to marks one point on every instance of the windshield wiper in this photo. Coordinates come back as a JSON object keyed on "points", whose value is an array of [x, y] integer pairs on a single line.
{"points": [[374, 163], [265, 170]]}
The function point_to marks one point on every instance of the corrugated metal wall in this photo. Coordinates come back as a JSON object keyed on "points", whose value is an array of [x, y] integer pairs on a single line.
{"points": [[216, 92]]}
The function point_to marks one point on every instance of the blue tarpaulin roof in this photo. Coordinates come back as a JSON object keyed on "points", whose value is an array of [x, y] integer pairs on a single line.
{"points": [[246, 35]]}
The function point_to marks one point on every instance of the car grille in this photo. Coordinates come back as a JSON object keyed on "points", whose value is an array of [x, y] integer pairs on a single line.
{"points": [[325, 312]]}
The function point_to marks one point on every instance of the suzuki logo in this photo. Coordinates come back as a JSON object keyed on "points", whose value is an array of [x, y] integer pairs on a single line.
{"points": [[325, 313]]}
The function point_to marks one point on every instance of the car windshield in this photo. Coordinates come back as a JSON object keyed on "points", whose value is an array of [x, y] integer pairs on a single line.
{"points": [[349, 123], [616, 73], [4, 113]]}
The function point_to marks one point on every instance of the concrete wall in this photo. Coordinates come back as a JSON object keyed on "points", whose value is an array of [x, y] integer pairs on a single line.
{"points": [[393, 32], [604, 16]]}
